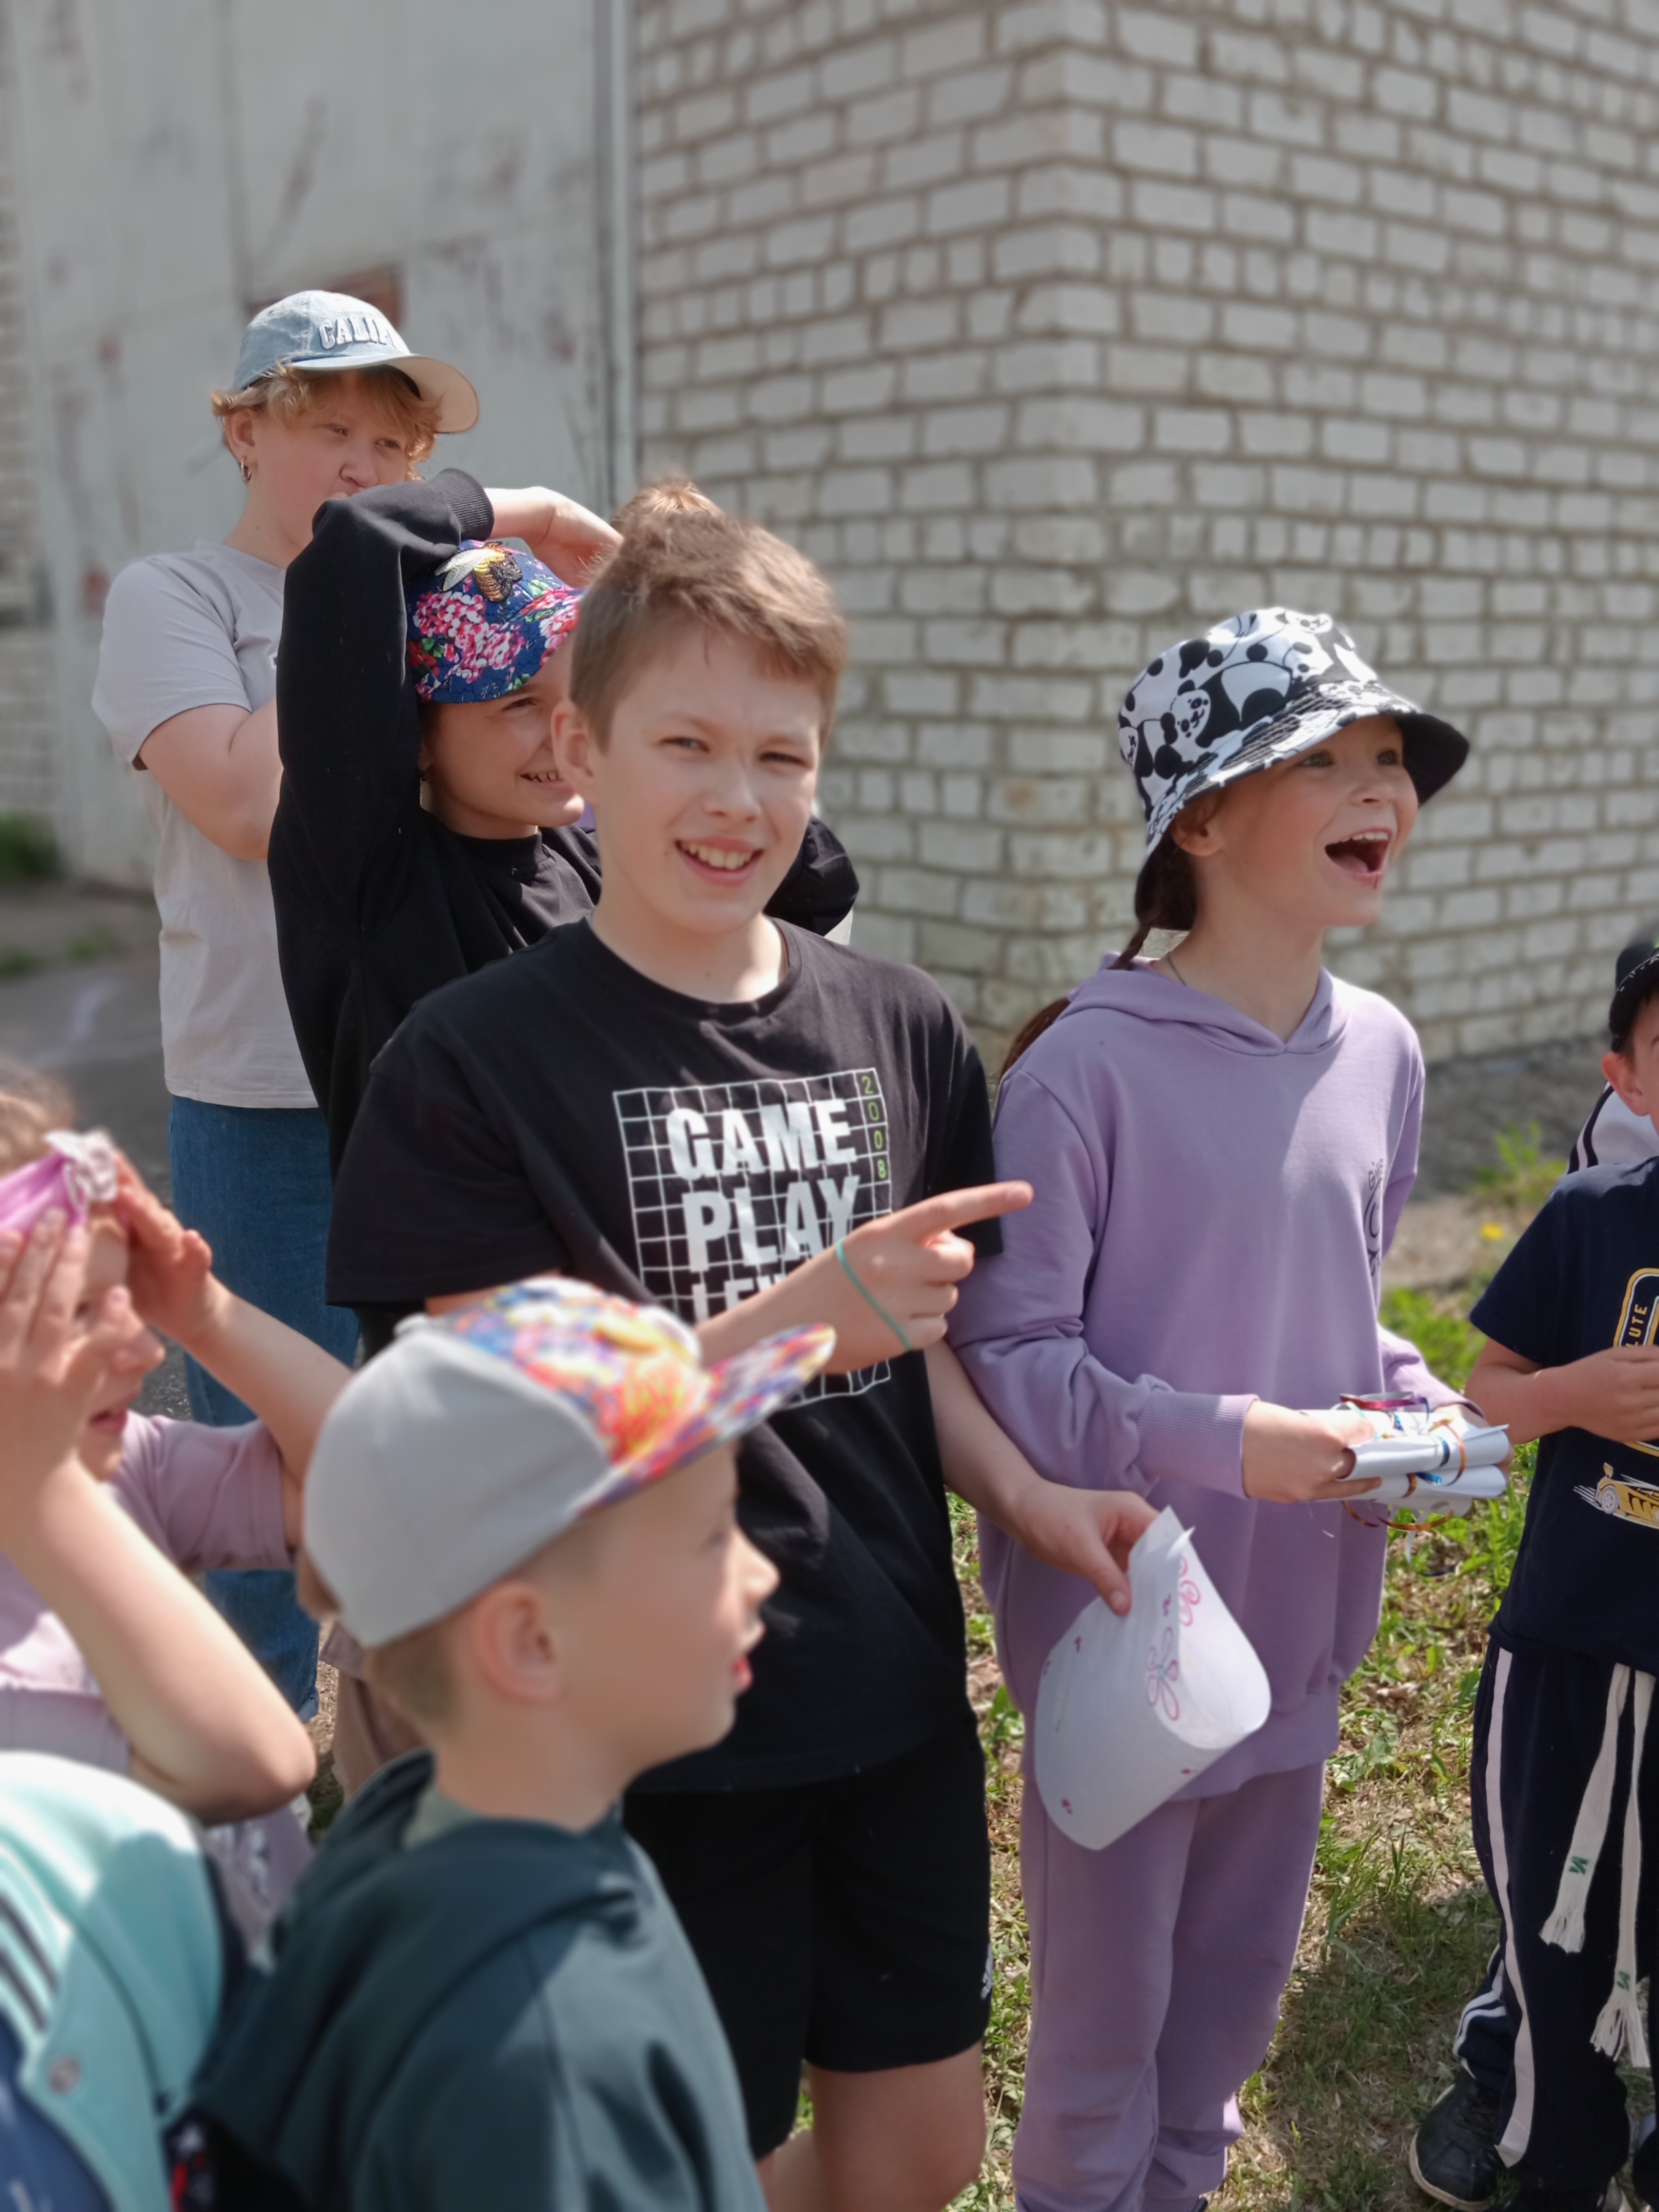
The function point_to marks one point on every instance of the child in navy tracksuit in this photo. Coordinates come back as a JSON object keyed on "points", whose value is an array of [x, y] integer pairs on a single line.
{"points": [[1564, 1782]]}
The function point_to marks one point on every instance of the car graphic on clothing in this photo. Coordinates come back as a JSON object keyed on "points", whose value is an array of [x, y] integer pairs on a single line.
{"points": [[1630, 1501]]}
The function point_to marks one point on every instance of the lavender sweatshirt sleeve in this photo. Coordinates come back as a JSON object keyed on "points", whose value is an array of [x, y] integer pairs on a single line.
{"points": [[206, 1497], [1019, 1329]]}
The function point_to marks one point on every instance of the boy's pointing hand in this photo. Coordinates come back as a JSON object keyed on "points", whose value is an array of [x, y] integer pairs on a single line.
{"points": [[887, 1289], [903, 1268]]}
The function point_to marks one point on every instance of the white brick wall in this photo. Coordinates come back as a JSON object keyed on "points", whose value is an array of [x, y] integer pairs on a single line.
{"points": [[1055, 330]]}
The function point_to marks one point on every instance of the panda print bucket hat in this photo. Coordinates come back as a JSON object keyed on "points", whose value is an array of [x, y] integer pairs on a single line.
{"points": [[1259, 688]]}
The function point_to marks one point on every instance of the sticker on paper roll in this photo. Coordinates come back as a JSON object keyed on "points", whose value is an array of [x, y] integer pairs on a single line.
{"points": [[1132, 1706]]}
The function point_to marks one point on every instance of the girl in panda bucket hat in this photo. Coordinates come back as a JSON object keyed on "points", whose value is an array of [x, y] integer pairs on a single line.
{"points": [[1258, 689], [1221, 1142]]}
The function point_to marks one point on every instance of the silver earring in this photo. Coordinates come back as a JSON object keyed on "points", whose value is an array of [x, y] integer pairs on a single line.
{"points": [[248, 472]]}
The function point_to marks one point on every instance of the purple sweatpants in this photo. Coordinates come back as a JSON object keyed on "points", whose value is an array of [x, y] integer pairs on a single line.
{"points": [[1157, 1966]]}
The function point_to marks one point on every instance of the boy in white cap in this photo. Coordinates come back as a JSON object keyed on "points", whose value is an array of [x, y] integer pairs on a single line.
{"points": [[480, 1995]]}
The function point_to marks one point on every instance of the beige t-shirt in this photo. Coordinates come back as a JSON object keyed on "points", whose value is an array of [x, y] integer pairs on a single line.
{"points": [[200, 629]]}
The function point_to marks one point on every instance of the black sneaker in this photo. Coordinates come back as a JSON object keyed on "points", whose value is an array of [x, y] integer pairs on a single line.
{"points": [[1454, 2154]]}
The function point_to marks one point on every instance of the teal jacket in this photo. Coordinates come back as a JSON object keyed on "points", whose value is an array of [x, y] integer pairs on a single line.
{"points": [[114, 1960], [508, 2015]]}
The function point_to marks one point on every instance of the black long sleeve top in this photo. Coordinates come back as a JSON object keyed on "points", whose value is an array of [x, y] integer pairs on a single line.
{"points": [[378, 903]]}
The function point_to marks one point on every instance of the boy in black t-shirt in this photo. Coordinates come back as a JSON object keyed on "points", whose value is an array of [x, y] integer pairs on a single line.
{"points": [[422, 832], [1566, 1777], [703, 1108]]}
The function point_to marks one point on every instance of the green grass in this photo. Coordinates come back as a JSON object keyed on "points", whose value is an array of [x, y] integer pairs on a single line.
{"points": [[1399, 1925], [28, 851], [1523, 1177]]}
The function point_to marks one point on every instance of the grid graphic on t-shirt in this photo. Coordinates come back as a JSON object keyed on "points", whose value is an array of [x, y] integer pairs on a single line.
{"points": [[734, 1184]]}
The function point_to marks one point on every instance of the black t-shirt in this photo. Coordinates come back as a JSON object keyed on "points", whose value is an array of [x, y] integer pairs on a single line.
{"points": [[378, 903], [1583, 1278], [562, 1112]]}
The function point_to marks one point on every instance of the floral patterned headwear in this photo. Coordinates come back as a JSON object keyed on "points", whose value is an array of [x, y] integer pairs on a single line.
{"points": [[487, 624]]}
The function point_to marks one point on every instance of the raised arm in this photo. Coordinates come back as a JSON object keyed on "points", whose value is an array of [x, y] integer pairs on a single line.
{"points": [[346, 709], [572, 539], [289, 1382], [207, 1727]]}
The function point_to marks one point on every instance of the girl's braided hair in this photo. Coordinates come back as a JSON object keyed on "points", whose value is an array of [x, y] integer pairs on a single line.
{"points": [[1166, 898]]}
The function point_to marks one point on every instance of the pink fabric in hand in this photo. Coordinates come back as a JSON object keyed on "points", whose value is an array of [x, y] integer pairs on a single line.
{"points": [[75, 1174]]}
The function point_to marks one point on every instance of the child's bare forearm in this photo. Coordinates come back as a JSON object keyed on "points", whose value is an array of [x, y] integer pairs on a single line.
{"points": [[1088, 1533], [207, 1727], [289, 1381], [982, 1463], [1613, 1394], [1524, 1404]]}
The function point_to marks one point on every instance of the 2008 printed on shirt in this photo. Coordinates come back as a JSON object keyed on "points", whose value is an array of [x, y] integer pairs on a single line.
{"points": [[732, 1184]]}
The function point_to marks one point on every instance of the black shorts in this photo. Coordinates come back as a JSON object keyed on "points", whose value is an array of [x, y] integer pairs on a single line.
{"points": [[845, 1923]]}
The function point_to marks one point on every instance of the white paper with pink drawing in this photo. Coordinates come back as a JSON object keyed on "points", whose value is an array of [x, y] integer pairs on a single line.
{"points": [[1132, 1706]]}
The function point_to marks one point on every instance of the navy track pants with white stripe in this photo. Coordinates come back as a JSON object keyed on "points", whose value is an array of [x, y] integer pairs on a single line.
{"points": [[1538, 1725]]}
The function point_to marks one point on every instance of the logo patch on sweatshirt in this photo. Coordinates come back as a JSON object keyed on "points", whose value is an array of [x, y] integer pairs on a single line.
{"points": [[1375, 1178], [734, 1184]]}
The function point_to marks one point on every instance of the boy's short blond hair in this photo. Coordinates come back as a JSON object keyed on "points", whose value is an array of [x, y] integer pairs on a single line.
{"points": [[685, 564], [668, 496], [289, 394], [415, 1674], [412, 1673]]}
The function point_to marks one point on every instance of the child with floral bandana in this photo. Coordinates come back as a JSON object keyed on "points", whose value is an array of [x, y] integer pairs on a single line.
{"points": [[423, 829], [1220, 1140]]}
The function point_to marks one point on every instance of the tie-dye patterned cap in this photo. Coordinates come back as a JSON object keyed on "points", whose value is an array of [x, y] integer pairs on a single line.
{"points": [[486, 623], [479, 1436]]}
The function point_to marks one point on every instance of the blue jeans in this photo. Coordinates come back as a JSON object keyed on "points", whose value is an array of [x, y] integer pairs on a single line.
{"points": [[255, 1180]]}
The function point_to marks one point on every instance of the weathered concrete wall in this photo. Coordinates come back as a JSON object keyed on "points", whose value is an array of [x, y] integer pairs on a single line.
{"points": [[1057, 330], [27, 779], [178, 162]]}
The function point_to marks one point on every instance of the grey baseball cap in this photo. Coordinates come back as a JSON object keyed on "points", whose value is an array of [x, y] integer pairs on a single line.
{"points": [[325, 331], [477, 1438]]}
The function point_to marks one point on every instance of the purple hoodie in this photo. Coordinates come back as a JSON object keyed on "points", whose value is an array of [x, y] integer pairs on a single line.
{"points": [[1212, 1210]]}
